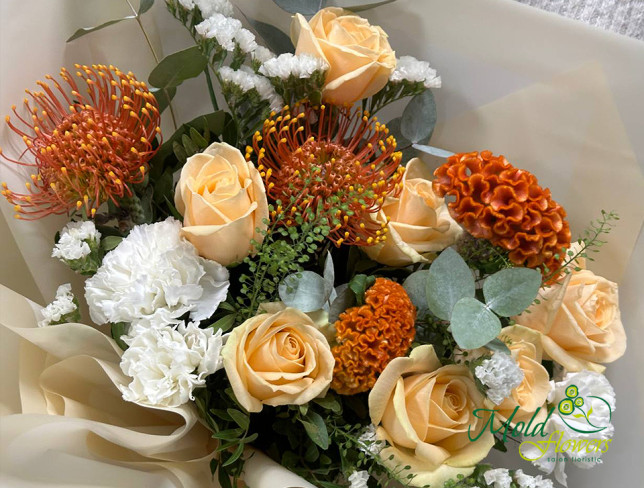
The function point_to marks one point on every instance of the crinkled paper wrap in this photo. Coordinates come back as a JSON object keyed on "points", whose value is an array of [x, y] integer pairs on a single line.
{"points": [[74, 428]]}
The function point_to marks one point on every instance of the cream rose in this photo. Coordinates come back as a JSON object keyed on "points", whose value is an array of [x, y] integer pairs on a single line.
{"points": [[580, 322], [424, 410], [531, 394], [277, 359], [419, 221], [359, 56], [223, 201]]}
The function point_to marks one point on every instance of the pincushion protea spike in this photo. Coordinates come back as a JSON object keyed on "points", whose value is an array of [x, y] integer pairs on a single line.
{"points": [[87, 146], [336, 157]]}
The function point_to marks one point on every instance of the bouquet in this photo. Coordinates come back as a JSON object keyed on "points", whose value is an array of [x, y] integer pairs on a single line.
{"points": [[291, 267]]}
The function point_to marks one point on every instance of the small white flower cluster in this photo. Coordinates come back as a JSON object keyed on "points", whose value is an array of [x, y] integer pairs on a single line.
{"points": [[359, 479], [62, 306], [262, 54], [410, 69], [500, 478], [297, 65], [246, 80], [211, 7], [501, 374], [369, 441], [75, 239], [152, 278], [167, 364], [220, 28]]}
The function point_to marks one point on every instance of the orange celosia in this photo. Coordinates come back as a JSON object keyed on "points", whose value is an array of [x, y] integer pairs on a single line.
{"points": [[371, 335], [494, 200], [88, 143]]}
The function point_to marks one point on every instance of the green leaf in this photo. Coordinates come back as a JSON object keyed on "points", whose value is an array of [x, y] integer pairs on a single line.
{"points": [[198, 139], [276, 40], [316, 429], [419, 117], [178, 67], [307, 291], [497, 345], [145, 5], [225, 323], [164, 96], [190, 147], [345, 298], [359, 6], [449, 280], [179, 152], [473, 324], [110, 242], [240, 418], [510, 291], [434, 151], [416, 287], [329, 402], [117, 330], [329, 271], [359, 285], [402, 143], [88, 30], [304, 7], [235, 456]]}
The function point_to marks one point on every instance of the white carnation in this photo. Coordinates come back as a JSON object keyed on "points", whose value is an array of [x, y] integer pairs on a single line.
{"points": [[598, 394], [527, 481], [246, 80], [152, 278], [221, 28], [359, 479], [262, 54], [501, 374], [498, 478], [75, 239], [62, 305], [411, 69], [210, 7], [298, 65], [166, 365], [246, 40]]}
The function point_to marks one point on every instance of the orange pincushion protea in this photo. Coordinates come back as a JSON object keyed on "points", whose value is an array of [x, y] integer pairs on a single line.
{"points": [[371, 335], [87, 147], [331, 157], [505, 205]]}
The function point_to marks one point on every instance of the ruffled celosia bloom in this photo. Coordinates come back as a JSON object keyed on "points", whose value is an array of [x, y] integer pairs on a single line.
{"points": [[424, 411], [371, 335], [494, 200], [153, 278], [87, 146], [166, 365], [332, 158]]}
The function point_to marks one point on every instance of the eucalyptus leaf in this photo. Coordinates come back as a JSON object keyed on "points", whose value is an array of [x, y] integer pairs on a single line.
{"points": [[164, 96], [416, 287], [473, 325], [307, 291], [329, 272], [178, 67], [359, 6], [402, 143], [145, 5], [276, 40], [304, 7], [88, 30], [497, 345], [449, 280], [510, 291], [434, 151], [345, 299], [419, 118]]}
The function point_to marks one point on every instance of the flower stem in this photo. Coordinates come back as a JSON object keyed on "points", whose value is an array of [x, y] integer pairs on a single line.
{"points": [[211, 91], [156, 58]]}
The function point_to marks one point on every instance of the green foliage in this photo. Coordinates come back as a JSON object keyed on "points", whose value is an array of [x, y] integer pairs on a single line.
{"points": [[175, 68], [510, 291], [473, 324], [359, 285], [434, 151], [419, 118], [306, 291], [276, 40], [476, 479], [416, 287], [118, 330], [144, 6], [481, 255], [449, 280], [304, 7]]}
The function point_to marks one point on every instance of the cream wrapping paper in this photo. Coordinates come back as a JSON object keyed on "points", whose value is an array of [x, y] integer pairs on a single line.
{"points": [[71, 427]]}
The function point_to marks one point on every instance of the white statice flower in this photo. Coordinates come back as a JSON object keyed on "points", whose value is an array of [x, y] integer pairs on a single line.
{"points": [[498, 478], [245, 39], [410, 69], [62, 307], [220, 28], [527, 481], [166, 365], [359, 479], [297, 65], [75, 239], [152, 278], [262, 54], [595, 392], [369, 441], [209, 8], [501, 374], [246, 80]]}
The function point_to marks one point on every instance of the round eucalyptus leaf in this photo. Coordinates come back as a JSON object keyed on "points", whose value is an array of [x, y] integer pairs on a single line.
{"points": [[416, 287], [472, 324], [307, 291], [510, 291], [345, 298], [419, 118], [449, 280]]}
